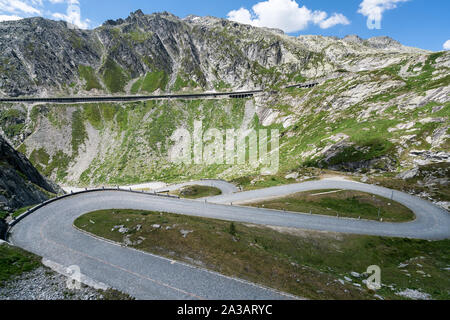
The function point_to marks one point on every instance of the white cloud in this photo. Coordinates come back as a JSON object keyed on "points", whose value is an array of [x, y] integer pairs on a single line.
{"points": [[9, 18], [446, 45], [242, 15], [72, 15], [335, 19], [18, 6], [16, 9], [374, 9], [286, 15]]}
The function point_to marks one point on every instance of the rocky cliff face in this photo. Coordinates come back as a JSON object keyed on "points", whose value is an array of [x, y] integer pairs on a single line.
{"points": [[40, 56], [21, 184]]}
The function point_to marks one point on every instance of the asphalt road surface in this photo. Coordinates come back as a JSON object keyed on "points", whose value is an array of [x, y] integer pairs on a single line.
{"points": [[49, 232]]}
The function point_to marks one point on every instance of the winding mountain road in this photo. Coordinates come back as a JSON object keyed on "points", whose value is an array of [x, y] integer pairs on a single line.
{"points": [[206, 95], [49, 232]]}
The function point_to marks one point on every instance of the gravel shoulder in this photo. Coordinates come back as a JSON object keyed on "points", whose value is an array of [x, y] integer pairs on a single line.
{"points": [[44, 284], [28, 279]]}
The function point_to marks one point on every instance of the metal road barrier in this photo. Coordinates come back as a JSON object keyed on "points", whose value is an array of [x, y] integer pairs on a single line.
{"points": [[231, 95]]}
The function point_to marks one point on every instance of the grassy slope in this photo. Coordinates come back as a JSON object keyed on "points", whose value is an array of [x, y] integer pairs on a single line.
{"points": [[87, 73], [10, 125], [137, 150], [21, 211], [254, 182], [15, 261], [150, 82], [114, 76], [344, 203], [299, 262], [316, 122]]}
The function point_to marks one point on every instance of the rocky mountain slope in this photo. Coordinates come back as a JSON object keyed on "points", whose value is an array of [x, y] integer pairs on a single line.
{"points": [[145, 53], [380, 108], [21, 184]]}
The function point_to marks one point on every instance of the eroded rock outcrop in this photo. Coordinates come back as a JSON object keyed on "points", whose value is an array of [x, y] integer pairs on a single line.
{"points": [[20, 183]]}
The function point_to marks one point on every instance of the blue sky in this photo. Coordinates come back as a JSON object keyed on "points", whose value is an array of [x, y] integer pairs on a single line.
{"points": [[419, 23]]}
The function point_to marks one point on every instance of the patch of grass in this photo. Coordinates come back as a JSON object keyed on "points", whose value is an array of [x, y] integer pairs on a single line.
{"points": [[261, 182], [150, 82], [232, 230], [79, 133], [12, 122], [136, 87], [366, 151], [221, 85], [180, 83], [303, 263], [11, 114], [196, 192], [299, 79], [15, 261], [114, 295], [114, 77], [266, 182], [14, 129], [155, 80], [39, 157], [93, 114], [345, 203], [139, 36], [20, 211], [88, 74], [77, 42], [3, 215], [60, 163]]}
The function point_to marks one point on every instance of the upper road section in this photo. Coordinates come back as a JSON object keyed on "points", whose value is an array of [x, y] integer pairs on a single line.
{"points": [[210, 95]]}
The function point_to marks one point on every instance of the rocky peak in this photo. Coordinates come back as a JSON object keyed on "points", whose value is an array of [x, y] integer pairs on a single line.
{"points": [[113, 22], [353, 38], [135, 16], [192, 18], [383, 42], [138, 13]]}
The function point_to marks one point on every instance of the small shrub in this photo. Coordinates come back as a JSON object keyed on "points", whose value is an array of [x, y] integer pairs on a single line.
{"points": [[232, 230]]}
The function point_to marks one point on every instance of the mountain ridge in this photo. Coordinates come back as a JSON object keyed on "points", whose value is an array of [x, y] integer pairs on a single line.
{"points": [[48, 58]]}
